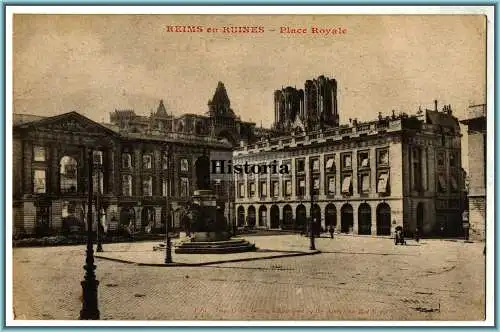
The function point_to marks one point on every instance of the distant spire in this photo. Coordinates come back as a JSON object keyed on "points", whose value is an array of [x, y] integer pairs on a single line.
{"points": [[161, 110], [220, 96]]}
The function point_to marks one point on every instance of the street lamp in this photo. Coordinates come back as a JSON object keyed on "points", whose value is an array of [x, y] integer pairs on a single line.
{"points": [[168, 245], [89, 284], [311, 226], [98, 198]]}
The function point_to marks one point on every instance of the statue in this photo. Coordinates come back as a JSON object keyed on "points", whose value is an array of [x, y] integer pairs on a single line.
{"points": [[202, 166]]}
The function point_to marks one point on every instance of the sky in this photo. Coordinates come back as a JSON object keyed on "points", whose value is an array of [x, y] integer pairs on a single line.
{"points": [[95, 64]]}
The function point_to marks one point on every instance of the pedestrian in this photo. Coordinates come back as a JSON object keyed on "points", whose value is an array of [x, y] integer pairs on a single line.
{"points": [[331, 229], [417, 235]]}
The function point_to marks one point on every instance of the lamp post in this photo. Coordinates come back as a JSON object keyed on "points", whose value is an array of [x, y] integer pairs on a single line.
{"points": [[311, 226], [98, 168], [89, 284], [168, 245]]}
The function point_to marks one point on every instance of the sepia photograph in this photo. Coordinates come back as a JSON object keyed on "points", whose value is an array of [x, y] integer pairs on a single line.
{"points": [[249, 166]]}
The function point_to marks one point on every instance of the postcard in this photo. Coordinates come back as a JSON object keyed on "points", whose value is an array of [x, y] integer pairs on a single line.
{"points": [[275, 166]]}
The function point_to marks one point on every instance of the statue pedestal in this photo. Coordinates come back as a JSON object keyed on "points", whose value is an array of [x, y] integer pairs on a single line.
{"points": [[209, 229]]}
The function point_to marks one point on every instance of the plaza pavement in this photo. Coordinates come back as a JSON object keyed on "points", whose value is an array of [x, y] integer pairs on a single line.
{"points": [[353, 278], [141, 253]]}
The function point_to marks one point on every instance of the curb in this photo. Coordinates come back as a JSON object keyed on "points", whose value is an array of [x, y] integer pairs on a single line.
{"points": [[209, 263]]}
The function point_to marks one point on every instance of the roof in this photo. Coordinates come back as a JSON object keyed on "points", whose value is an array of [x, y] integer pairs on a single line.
{"points": [[18, 119], [442, 119]]}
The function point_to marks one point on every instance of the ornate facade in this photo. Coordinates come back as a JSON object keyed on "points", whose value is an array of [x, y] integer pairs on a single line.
{"points": [[219, 121], [135, 173], [365, 178]]}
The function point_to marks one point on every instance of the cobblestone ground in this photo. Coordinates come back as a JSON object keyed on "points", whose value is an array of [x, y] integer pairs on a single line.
{"points": [[354, 278]]}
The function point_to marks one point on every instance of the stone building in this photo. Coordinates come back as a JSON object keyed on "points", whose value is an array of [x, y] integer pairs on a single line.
{"points": [[476, 130], [219, 121], [312, 108], [366, 177], [135, 173]]}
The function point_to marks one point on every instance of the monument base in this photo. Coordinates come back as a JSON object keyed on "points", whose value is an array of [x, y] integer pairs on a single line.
{"points": [[230, 246], [210, 235]]}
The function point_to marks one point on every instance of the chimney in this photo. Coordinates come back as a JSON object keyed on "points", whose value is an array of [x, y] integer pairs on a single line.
{"points": [[435, 105]]}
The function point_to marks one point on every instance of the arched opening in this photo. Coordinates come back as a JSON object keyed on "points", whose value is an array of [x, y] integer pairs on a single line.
{"points": [[251, 216], [287, 217], [241, 216], [262, 216], [127, 219], [331, 216], [420, 217], [147, 219], [346, 218], [301, 219], [68, 175], [275, 216], [383, 219], [364, 219]]}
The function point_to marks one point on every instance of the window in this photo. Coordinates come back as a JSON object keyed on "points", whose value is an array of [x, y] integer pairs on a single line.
{"points": [[454, 184], [330, 164], [441, 183], [364, 183], [184, 187], [126, 160], [251, 189], [288, 188], [147, 161], [301, 187], [440, 158], [315, 184], [39, 182], [383, 183], [331, 185], [315, 165], [164, 187], [127, 185], [147, 186], [346, 161], [383, 157], [275, 187], [68, 174], [263, 189], [39, 153], [363, 159], [164, 161], [97, 155], [184, 165], [241, 190], [416, 157], [300, 165], [453, 160], [347, 184]]}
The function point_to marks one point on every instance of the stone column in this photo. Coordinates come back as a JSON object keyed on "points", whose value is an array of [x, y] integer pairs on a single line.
{"points": [[373, 173], [322, 179], [28, 172], [137, 190], [355, 207], [374, 217], [138, 217], [157, 217]]}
